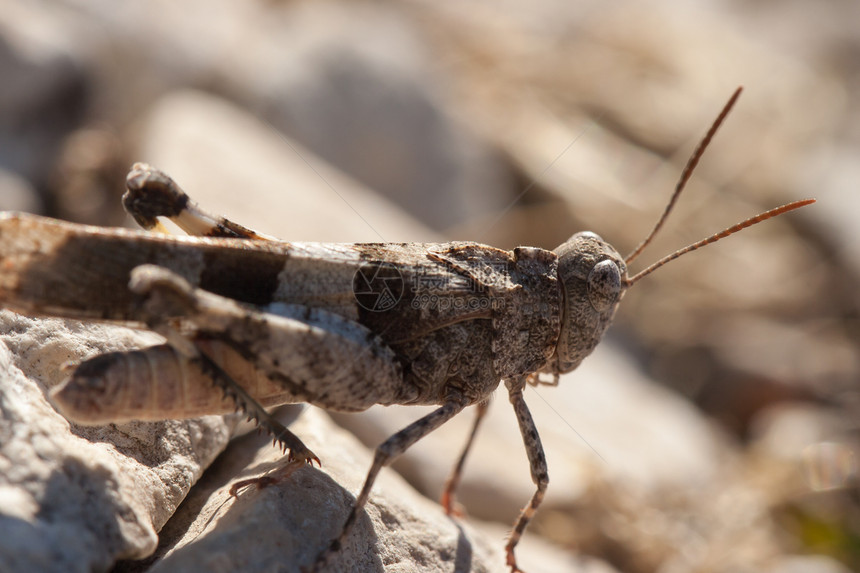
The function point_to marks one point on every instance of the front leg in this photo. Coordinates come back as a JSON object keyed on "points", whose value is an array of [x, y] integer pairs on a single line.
{"points": [[537, 462], [385, 454]]}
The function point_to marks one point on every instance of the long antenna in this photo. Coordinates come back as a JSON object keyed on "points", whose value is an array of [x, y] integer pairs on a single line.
{"points": [[685, 175], [721, 235]]}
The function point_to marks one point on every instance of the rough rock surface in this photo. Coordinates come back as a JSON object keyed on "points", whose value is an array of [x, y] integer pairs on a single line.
{"points": [[77, 498], [282, 527]]}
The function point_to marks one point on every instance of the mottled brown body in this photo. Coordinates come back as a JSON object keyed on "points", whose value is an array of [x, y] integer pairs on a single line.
{"points": [[468, 315]]}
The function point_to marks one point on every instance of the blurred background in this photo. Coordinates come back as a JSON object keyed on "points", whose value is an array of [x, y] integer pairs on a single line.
{"points": [[513, 123]]}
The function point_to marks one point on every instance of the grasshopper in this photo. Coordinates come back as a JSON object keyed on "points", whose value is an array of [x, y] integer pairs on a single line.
{"points": [[251, 321]]}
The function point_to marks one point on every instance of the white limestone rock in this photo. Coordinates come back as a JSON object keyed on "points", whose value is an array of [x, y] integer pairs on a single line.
{"points": [[76, 498], [284, 526]]}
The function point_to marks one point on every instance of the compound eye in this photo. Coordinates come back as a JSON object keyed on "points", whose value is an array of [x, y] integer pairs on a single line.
{"points": [[586, 235], [604, 284]]}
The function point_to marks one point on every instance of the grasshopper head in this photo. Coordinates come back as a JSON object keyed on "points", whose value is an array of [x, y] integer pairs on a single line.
{"points": [[593, 279]]}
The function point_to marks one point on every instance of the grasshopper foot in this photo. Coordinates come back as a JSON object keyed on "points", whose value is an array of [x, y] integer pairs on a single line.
{"points": [[303, 456], [451, 506], [511, 561]]}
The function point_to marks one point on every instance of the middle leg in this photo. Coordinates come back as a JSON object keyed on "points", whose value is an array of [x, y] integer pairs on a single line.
{"points": [[385, 454]]}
